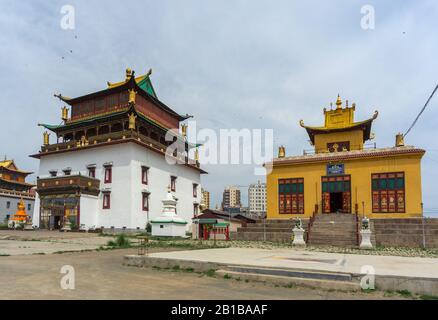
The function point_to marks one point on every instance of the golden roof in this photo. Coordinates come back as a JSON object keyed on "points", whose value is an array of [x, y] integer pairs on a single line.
{"points": [[128, 76], [340, 119], [6, 163]]}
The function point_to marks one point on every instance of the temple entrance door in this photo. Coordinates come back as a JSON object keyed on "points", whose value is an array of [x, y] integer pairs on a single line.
{"points": [[336, 201], [56, 222], [336, 194]]}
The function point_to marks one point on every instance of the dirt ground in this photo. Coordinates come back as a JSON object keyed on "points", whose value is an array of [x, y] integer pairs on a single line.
{"points": [[101, 275], [31, 262]]}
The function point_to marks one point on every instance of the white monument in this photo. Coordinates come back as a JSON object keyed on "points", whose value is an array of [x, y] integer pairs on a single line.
{"points": [[365, 234], [169, 224], [298, 234]]}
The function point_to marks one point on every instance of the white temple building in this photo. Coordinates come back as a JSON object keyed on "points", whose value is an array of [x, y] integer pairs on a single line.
{"points": [[108, 168]]}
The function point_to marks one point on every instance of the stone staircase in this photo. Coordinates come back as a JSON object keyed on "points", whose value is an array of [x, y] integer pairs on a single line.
{"points": [[268, 230], [333, 229]]}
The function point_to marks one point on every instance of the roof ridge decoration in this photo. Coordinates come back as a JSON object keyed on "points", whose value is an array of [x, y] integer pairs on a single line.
{"points": [[143, 81]]}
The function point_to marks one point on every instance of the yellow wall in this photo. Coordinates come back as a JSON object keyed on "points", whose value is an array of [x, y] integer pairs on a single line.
{"points": [[355, 138], [360, 171]]}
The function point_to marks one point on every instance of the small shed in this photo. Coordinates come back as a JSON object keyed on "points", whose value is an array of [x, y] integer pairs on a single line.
{"points": [[214, 224]]}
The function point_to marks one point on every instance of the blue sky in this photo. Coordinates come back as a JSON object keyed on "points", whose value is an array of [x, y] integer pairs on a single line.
{"points": [[232, 64]]}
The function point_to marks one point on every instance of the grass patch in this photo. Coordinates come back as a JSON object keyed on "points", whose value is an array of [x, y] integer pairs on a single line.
{"points": [[405, 293], [368, 290], [428, 297], [210, 273], [227, 276], [176, 268], [121, 241]]}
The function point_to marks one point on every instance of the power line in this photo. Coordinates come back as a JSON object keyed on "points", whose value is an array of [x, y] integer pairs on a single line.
{"points": [[424, 107]]}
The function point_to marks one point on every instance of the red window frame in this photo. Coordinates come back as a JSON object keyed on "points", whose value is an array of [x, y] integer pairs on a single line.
{"points": [[108, 174], [92, 172], [145, 201], [291, 201], [387, 199], [106, 201], [144, 174], [173, 183]]}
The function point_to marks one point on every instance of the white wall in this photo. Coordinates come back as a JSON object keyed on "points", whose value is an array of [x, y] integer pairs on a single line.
{"points": [[126, 187], [87, 210]]}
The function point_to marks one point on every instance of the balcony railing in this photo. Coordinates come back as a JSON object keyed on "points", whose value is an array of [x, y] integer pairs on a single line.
{"points": [[110, 137], [15, 193], [68, 182]]}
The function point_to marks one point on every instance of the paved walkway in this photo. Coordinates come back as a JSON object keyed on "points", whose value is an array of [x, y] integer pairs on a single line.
{"points": [[320, 261]]}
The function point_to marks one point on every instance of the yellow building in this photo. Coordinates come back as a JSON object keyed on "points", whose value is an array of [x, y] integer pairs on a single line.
{"points": [[342, 175]]}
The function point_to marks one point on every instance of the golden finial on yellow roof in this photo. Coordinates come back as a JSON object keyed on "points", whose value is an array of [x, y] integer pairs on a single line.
{"points": [[281, 152], [338, 102]]}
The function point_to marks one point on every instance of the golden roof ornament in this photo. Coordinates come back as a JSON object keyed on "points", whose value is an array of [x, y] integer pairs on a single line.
{"points": [[281, 152], [46, 136], [196, 155], [184, 129], [128, 74], [64, 113], [399, 140], [132, 94], [338, 103], [131, 123]]}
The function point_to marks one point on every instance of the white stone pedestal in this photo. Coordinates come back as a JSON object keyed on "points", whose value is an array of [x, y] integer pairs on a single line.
{"points": [[67, 226], [365, 242], [28, 226], [298, 237]]}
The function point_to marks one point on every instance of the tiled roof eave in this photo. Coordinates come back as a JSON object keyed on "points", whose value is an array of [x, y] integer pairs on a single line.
{"points": [[347, 156]]}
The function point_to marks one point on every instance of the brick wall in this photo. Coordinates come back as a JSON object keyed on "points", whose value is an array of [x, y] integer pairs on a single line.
{"points": [[408, 232]]}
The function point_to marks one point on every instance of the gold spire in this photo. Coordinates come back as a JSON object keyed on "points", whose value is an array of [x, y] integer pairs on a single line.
{"points": [[281, 151], [196, 155], [338, 103], [46, 138], [399, 140], [128, 74]]}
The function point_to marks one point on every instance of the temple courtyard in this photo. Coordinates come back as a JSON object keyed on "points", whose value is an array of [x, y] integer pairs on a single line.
{"points": [[31, 265]]}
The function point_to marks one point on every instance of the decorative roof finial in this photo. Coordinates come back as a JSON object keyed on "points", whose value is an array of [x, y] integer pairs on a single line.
{"points": [[128, 73], [132, 94], [338, 102]]}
